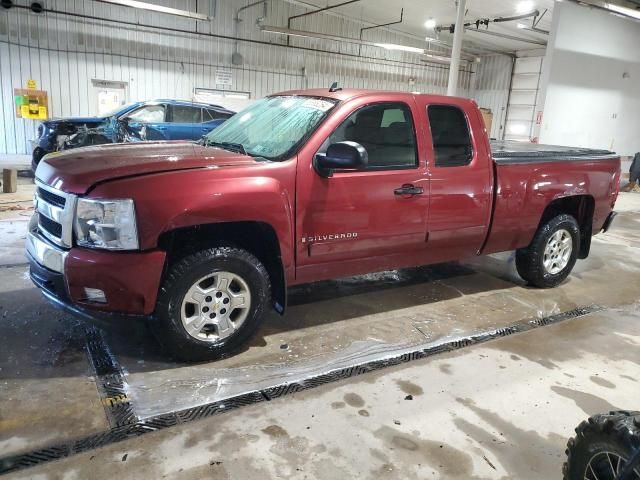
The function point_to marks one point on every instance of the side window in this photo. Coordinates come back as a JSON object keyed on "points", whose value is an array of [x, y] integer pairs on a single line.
{"points": [[451, 139], [210, 115], [185, 114], [385, 131], [148, 114]]}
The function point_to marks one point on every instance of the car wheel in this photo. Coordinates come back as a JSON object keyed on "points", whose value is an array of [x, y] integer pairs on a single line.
{"points": [[603, 446], [211, 302], [553, 252]]}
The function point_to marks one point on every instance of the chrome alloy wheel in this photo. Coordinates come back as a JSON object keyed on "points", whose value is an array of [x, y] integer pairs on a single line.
{"points": [[557, 253], [607, 466], [215, 306]]}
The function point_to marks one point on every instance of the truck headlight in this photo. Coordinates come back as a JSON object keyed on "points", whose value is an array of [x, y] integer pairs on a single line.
{"points": [[109, 224]]}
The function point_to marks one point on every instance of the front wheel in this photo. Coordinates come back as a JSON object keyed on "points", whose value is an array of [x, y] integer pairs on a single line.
{"points": [[211, 302], [604, 447], [553, 252]]}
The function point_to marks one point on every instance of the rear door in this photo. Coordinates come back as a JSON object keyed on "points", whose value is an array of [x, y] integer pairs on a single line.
{"points": [[184, 122], [461, 174], [355, 222]]}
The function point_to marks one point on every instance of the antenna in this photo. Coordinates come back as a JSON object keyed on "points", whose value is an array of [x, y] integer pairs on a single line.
{"points": [[334, 87]]}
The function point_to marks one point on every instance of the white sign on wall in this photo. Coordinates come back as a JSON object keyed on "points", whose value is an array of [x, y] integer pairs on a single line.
{"points": [[224, 76]]}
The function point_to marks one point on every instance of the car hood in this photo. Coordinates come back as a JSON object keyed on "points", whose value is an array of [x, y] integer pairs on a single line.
{"points": [[76, 171], [75, 120]]}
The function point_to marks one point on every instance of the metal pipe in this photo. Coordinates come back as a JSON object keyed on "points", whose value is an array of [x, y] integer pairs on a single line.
{"points": [[356, 41], [242, 9], [535, 13], [458, 33], [504, 35], [324, 9], [379, 26]]}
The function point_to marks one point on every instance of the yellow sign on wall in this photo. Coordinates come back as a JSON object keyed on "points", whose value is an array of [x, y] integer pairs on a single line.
{"points": [[30, 103], [31, 84]]}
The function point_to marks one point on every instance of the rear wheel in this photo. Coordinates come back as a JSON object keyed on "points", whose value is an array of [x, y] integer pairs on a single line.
{"points": [[553, 252], [211, 302]]}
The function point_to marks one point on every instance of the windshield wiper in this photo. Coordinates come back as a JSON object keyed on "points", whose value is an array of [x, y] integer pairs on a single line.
{"points": [[232, 147]]}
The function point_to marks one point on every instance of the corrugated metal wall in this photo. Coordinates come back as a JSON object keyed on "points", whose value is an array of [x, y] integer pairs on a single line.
{"points": [[493, 77], [63, 53]]}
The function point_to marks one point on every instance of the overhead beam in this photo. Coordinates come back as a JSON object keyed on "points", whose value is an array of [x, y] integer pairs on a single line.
{"points": [[504, 35]]}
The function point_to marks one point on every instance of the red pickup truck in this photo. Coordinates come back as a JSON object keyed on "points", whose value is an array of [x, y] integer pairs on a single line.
{"points": [[204, 238]]}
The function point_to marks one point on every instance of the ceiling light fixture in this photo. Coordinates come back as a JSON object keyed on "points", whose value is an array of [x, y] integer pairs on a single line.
{"points": [[629, 12], [158, 8], [521, 26], [524, 6], [402, 48], [430, 23]]}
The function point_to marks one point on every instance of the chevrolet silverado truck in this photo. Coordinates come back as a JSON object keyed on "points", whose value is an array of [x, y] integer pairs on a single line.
{"points": [[202, 239]]}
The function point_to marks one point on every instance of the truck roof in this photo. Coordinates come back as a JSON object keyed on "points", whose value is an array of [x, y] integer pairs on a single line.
{"points": [[349, 93]]}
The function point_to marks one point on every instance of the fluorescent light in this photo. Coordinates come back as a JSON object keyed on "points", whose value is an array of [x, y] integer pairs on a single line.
{"points": [[157, 8], [403, 48], [430, 24], [525, 6], [521, 26], [630, 12]]}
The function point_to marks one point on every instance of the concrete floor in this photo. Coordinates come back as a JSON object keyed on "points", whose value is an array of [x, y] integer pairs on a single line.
{"points": [[503, 409]]}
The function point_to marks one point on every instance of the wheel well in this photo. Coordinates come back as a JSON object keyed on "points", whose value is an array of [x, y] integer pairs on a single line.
{"points": [[256, 237], [581, 208]]}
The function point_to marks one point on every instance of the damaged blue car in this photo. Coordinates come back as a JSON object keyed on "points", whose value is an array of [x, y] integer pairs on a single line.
{"points": [[154, 120]]}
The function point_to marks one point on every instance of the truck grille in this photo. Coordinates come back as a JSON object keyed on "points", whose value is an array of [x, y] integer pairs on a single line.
{"points": [[51, 198], [48, 225], [55, 214]]}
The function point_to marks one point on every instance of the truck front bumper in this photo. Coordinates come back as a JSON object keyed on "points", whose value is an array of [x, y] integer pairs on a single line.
{"points": [[129, 281]]}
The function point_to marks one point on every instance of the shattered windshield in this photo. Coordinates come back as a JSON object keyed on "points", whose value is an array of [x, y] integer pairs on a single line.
{"points": [[273, 127]]}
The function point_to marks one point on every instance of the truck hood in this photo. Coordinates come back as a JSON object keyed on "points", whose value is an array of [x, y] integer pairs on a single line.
{"points": [[76, 171]]}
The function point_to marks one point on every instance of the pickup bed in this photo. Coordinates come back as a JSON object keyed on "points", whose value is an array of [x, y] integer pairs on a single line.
{"points": [[204, 238]]}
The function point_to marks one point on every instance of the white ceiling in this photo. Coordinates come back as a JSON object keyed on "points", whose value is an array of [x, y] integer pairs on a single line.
{"points": [[416, 12]]}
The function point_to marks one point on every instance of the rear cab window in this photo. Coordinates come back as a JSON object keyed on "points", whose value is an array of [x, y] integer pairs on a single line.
{"points": [[452, 145], [385, 130]]}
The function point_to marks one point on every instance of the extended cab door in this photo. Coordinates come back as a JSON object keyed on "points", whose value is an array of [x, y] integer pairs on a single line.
{"points": [[461, 173], [355, 222]]}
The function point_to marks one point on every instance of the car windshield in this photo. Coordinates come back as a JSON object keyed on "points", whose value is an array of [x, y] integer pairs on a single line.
{"points": [[273, 127]]}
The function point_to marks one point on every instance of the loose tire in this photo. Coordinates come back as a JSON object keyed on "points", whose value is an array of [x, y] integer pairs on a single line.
{"points": [[550, 257], [603, 445], [211, 302]]}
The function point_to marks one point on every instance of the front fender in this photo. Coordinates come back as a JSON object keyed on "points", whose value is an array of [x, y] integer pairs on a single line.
{"points": [[171, 200]]}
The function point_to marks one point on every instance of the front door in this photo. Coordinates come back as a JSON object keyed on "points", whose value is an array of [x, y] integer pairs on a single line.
{"points": [[356, 222]]}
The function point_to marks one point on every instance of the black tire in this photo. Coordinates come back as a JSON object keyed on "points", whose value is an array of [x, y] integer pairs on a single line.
{"points": [[182, 275], [616, 432], [529, 260]]}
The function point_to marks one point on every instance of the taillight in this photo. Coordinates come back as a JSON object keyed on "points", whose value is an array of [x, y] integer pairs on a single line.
{"points": [[616, 186]]}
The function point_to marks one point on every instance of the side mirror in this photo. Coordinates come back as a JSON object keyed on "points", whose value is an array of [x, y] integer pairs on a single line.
{"points": [[341, 156]]}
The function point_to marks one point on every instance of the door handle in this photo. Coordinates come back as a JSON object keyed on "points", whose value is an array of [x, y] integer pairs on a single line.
{"points": [[408, 189]]}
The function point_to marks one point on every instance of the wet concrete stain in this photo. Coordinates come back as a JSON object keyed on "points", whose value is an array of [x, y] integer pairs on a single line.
{"points": [[275, 431], [601, 381], [446, 460], [410, 388], [587, 402], [354, 400], [627, 377], [445, 368], [363, 413], [338, 405], [515, 449], [515, 357]]}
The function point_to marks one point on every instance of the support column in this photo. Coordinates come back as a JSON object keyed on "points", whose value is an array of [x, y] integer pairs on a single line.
{"points": [[454, 67]]}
